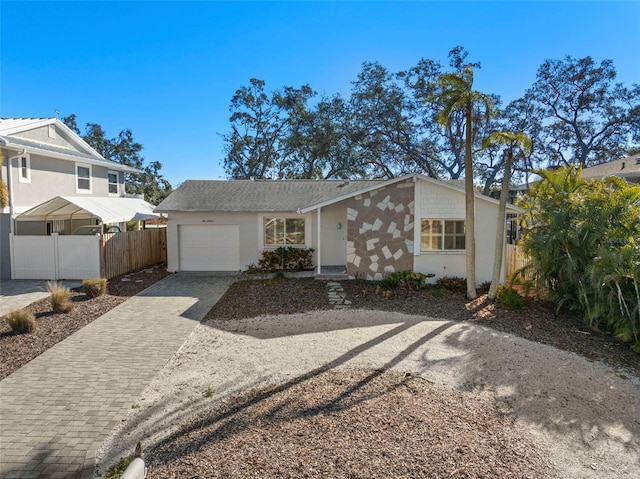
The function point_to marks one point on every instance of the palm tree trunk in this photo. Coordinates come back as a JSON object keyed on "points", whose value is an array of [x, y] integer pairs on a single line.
{"points": [[500, 228], [470, 216]]}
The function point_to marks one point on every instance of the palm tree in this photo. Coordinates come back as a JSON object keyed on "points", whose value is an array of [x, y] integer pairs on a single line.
{"points": [[511, 141], [456, 94]]}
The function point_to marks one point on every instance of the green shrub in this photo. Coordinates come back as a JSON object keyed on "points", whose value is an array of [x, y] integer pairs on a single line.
{"points": [[21, 321], [484, 287], [452, 283], [94, 287], [60, 297], [439, 293], [404, 279], [287, 259], [509, 297]]}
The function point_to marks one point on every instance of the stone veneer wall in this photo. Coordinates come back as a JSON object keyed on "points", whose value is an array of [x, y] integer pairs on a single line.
{"points": [[380, 231]]}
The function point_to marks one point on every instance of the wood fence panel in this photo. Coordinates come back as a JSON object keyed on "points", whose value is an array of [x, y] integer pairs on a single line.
{"points": [[131, 250], [514, 260]]}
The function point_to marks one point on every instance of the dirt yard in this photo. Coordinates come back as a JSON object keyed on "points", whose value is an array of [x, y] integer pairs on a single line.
{"points": [[305, 390]]}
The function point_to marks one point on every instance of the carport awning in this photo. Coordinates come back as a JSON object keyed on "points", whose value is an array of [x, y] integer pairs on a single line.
{"points": [[107, 210]]}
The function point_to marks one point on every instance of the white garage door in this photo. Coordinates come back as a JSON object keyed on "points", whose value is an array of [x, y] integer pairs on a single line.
{"points": [[209, 247]]}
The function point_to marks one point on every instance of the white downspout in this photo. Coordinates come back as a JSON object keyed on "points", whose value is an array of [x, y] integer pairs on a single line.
{"points": [[318, 256], [10, 186]]}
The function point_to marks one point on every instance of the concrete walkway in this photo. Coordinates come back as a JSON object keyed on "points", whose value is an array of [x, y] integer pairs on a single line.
{"points": [[18, 293], [56, 410]]}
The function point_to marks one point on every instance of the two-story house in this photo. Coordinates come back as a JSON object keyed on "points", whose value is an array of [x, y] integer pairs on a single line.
{"points": [[43, 159]]}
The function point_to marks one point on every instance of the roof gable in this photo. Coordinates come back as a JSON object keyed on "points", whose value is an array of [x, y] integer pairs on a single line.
{"points": [[21, 134]]}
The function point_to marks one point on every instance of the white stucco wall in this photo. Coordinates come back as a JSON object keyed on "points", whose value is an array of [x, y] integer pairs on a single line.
{"points": [[251, 233]]}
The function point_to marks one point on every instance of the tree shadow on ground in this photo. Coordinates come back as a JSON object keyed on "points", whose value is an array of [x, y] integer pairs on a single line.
{"points": [[221, 424]]}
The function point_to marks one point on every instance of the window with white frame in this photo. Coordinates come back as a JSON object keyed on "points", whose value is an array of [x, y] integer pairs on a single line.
{"points": [[112, 176], [24, 169], [284, 231], [83, 178], [438, 235]]}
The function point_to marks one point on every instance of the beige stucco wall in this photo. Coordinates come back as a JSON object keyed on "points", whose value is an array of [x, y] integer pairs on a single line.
{"points": [[42, 135], [50, 178]]}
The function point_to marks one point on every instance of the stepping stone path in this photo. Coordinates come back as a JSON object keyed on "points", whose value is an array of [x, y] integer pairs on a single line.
{"points": [[337, 296]]}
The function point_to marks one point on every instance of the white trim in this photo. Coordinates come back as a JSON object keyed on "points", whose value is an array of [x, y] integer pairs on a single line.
{"points": [[40, 122], [117, 183], [27, 178], [442, 236], [415, 177], [18, 147], [307, 229], [83, 190], [318, 249]]}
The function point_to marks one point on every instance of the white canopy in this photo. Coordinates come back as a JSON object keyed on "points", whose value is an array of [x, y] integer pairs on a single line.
{"points": [[107, 210]]}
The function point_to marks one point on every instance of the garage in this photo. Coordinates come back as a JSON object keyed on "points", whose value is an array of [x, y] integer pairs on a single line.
{"points": [[209, 247]]}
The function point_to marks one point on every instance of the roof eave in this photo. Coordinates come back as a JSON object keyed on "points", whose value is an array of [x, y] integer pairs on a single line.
{"points": [[99, 161]]}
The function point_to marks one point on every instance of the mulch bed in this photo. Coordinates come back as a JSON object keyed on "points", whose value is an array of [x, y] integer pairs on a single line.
{"points": [[350, 424], [536, 321], [18, 349]]}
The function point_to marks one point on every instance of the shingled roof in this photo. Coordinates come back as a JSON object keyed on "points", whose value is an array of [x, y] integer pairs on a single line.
{"points": [[259, 195], [627, 168]]}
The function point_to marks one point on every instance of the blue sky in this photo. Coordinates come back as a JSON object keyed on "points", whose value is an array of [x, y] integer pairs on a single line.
{"points": [[167, 70]]}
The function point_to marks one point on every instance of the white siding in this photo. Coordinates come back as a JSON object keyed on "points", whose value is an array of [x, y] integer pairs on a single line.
{"points": [[437, 202]]}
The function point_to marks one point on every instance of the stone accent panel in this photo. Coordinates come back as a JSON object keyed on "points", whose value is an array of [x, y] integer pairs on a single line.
{"points": [[380, 231]]}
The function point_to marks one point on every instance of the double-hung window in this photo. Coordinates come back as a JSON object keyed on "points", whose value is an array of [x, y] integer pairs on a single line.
{"points": [[438, 235], [112, 176], [83, 178], [284, 231]]}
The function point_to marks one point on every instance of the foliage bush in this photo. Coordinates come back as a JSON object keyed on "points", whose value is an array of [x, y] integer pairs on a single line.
{"points": [[582, 237], [60, 297], [452, 283], [94, 287], [404, 279], [509, 297], [21, 321], [287, 259]]}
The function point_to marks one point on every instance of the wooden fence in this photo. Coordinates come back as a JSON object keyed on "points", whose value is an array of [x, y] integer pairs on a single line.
{"points": [[514, 260], [128, 251]]}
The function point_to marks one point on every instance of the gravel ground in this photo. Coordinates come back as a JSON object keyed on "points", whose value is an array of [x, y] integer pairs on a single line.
{"points": [[17, 350], [277, 383]]}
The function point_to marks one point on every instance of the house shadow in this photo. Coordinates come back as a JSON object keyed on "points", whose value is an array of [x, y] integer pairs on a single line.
{"points": [[313, 322], [203, 289]]}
